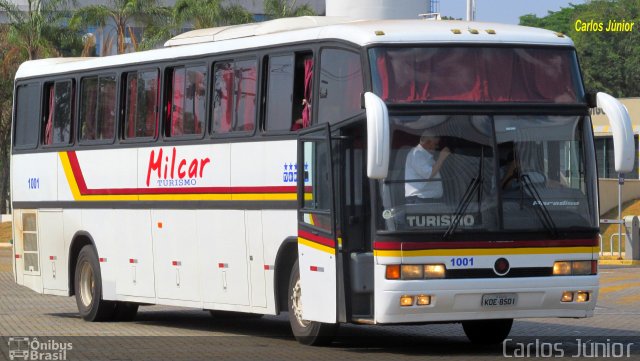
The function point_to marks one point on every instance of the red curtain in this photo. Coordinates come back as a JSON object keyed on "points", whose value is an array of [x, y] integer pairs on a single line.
{"points": [[178, 101], [48, 130], [132, 105], [308, 79]]}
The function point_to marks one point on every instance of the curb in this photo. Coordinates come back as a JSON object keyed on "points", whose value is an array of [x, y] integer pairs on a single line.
{"points": [[618, 262]]}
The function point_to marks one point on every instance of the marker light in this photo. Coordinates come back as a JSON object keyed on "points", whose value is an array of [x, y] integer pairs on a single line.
{"points": [[434, 271], [423, 300], [393, 272], [581, 267], [411, 272], [406, 301], [567, 296], [582, 296]]}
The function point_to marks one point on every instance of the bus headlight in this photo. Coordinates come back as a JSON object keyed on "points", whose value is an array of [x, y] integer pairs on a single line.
{"points": [[411, 272], [575, 268], [434, 271]]}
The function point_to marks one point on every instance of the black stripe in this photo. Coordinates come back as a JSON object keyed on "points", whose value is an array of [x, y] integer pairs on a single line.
{"points": [[489, 273], [250, 205]]}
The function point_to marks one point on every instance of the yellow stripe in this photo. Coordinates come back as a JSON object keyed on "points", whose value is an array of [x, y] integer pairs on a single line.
{"points": [[481, 251], [314, 245]]}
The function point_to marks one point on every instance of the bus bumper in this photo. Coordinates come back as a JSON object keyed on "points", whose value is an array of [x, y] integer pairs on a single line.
{"points": [[462, 299]]}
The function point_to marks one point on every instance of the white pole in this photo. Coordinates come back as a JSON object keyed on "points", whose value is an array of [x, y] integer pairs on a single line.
{"points": [[471, 10]]}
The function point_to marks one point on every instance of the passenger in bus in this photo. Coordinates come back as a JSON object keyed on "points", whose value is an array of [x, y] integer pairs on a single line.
{"points": [[423, 163]]}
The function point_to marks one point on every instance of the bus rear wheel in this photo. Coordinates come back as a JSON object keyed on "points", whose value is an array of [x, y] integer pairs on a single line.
{"points": [[306, 332], [487, 332], [88, 288]]}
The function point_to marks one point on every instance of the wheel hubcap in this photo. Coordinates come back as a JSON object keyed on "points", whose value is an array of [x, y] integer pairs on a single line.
{"points": [[296, 304], [87, 284]]}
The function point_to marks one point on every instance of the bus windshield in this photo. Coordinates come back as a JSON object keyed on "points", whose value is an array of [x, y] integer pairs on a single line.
{"points": [[453, 174], [402, 75]]}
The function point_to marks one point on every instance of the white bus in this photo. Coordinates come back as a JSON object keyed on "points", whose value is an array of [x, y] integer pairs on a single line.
{"points": [[263, 168]]}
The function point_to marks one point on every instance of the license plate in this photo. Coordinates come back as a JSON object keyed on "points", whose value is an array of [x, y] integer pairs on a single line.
{"points": [[499, 300]]}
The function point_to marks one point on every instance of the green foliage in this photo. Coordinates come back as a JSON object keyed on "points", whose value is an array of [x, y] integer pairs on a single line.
{"points": [[122, 14], [275, 9], [609, 60], [202, 14]]}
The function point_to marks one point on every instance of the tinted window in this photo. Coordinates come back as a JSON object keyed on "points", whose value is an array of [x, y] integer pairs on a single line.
{"points": [[187, 101], [280, 92], [606, 159], [26, 117], [340, 85], [234, 97], [58, 112], [97, 108], [141, 109]]}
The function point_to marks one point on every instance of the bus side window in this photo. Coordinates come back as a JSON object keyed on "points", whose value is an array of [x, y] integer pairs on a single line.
{"points": [[234, 96], [279, 93], [58, 114], [141, 104], [340, 85], [187, 96], [97, 108], [26, 116]]}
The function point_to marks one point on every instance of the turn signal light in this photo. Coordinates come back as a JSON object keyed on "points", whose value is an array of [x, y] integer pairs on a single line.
{"points": [[393, 272], [423, 300]]}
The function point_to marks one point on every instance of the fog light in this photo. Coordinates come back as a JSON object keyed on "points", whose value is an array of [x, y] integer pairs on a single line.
{"points": [[406, 301], [393, 272], [562, 268], [567, 296], [582, 296], [434, 270], [423, 300], [411, 272]]}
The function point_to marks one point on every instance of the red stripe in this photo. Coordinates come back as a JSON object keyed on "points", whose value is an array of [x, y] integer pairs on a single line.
{"points": [[317, 239], [414, 246]]}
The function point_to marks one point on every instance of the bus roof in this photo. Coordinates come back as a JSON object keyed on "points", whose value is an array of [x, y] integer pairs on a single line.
{"points": [[299, 30]]}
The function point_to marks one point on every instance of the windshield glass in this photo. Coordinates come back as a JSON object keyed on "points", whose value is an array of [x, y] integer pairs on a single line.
{"points": [[403, 75], [459, 173]]}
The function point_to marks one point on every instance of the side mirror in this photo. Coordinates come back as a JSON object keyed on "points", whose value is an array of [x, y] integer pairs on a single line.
{"points": [[378, 138], [623, 143]]}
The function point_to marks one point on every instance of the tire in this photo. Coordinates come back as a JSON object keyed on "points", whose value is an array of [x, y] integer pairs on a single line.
{"points": [[487, 332], [230, 315], [88, 287], [306, 332], [125, 311]]}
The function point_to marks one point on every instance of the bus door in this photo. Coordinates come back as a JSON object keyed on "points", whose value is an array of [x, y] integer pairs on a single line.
{"points": [[317, 244]]}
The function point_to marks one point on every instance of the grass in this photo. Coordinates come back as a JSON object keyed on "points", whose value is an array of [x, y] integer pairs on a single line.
{"points": [[630, 208], [5, 232]]}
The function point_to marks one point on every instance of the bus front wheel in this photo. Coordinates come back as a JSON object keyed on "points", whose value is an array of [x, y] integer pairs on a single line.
{"points": [[306, 332], [487, 332], [88, 287]]}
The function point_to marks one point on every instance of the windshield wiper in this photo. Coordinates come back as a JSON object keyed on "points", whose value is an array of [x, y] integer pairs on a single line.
{"points": [[542, 212], [466, 200]]}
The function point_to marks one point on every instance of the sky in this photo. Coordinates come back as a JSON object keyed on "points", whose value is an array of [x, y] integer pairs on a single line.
{"points": [[503, 11]]}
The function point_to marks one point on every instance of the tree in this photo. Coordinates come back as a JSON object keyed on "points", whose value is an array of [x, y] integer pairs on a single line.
{"points": [[31, 32], [202, 14], [275, 9], [123, 13], [609, 60]]}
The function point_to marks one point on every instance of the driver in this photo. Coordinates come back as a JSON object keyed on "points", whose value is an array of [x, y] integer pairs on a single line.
{"points": [[424, 163]]}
